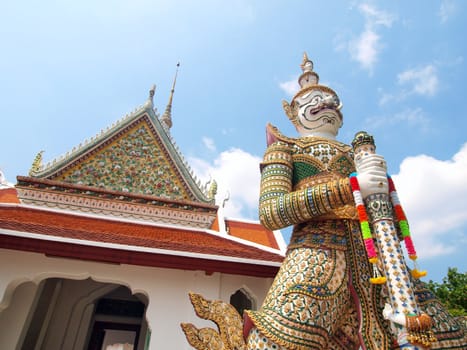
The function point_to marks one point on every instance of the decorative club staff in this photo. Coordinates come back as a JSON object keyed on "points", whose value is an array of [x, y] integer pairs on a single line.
{"points": [[379, 215]]}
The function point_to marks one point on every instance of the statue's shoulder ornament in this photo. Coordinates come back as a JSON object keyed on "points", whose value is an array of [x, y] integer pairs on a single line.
{"points": [[323, 154], [273, 135]]}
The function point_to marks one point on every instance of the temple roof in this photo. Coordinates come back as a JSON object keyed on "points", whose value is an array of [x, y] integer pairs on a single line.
{"points": [[68, 235]]}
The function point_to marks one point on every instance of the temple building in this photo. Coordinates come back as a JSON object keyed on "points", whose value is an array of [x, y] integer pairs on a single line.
{"points": [[100, 248]]}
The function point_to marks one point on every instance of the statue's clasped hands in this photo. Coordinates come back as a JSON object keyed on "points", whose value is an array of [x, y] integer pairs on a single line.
{"points": [[371, 173]]}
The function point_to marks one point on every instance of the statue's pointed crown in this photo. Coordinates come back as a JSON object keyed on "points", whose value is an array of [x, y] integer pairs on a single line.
{"points": [[308, 77]]}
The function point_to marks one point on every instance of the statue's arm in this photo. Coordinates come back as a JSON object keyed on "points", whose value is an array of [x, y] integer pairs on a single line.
{"points": [[280, 206]]}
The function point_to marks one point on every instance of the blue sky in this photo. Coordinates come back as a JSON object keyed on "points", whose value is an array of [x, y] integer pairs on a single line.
{"points": [[71, 68]]}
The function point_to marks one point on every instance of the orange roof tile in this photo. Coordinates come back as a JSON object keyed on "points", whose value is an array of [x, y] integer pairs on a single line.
{"points": [[215, 224], [126, 233], [9, 195], [252, 232]]}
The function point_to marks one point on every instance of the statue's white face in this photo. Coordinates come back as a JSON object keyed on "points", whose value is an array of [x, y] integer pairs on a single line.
{"points": [[318, 114]]}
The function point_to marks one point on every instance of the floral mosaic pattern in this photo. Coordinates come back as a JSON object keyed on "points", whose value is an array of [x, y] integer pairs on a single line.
{"points": [[133, 163]]}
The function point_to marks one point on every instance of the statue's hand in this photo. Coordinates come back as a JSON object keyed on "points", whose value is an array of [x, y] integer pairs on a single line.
{"points": [[389, 314], [387, 311], [371, 174]]}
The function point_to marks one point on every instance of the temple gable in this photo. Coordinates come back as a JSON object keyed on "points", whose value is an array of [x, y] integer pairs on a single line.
{"points": [[135, 161], [132, 169]]}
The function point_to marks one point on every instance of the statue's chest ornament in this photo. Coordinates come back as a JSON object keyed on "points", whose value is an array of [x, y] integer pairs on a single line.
{"points": [[324, 157]]}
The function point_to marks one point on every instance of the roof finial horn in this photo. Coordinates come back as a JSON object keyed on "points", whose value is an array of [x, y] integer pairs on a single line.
{"points": [[149, 104]]}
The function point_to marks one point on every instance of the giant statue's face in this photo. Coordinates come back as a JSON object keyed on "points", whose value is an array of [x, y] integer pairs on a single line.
{"points": [[318, 113]]}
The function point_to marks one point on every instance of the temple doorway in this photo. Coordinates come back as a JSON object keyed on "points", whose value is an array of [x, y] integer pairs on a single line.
{"points": [[109, 331]]}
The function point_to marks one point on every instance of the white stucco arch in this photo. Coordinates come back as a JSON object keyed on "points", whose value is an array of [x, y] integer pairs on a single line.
{"points": [[45, 268], [7, 289]]}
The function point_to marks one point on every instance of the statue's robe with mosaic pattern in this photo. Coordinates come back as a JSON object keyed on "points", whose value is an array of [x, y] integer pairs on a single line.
{"points": [[321, 297]]}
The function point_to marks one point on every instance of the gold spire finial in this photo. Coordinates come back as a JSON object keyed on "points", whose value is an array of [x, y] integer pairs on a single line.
{"points": [[166, 118]]}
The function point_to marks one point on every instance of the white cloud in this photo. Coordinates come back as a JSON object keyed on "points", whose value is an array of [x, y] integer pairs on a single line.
{"points": [[434, 195], [290, 87], [413, 117], [366, 48], [422, 81], [209, 143], [385, 98], [446, 10], [410, 116], [376, 17], [227, 131], [237, 175]]}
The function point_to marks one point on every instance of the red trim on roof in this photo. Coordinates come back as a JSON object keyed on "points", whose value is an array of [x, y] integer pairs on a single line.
{"points": [[120, 256], [127, 233]]}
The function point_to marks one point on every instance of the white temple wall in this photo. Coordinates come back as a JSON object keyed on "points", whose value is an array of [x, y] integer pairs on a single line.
{"points": [[166, 289], [13, 318]]}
